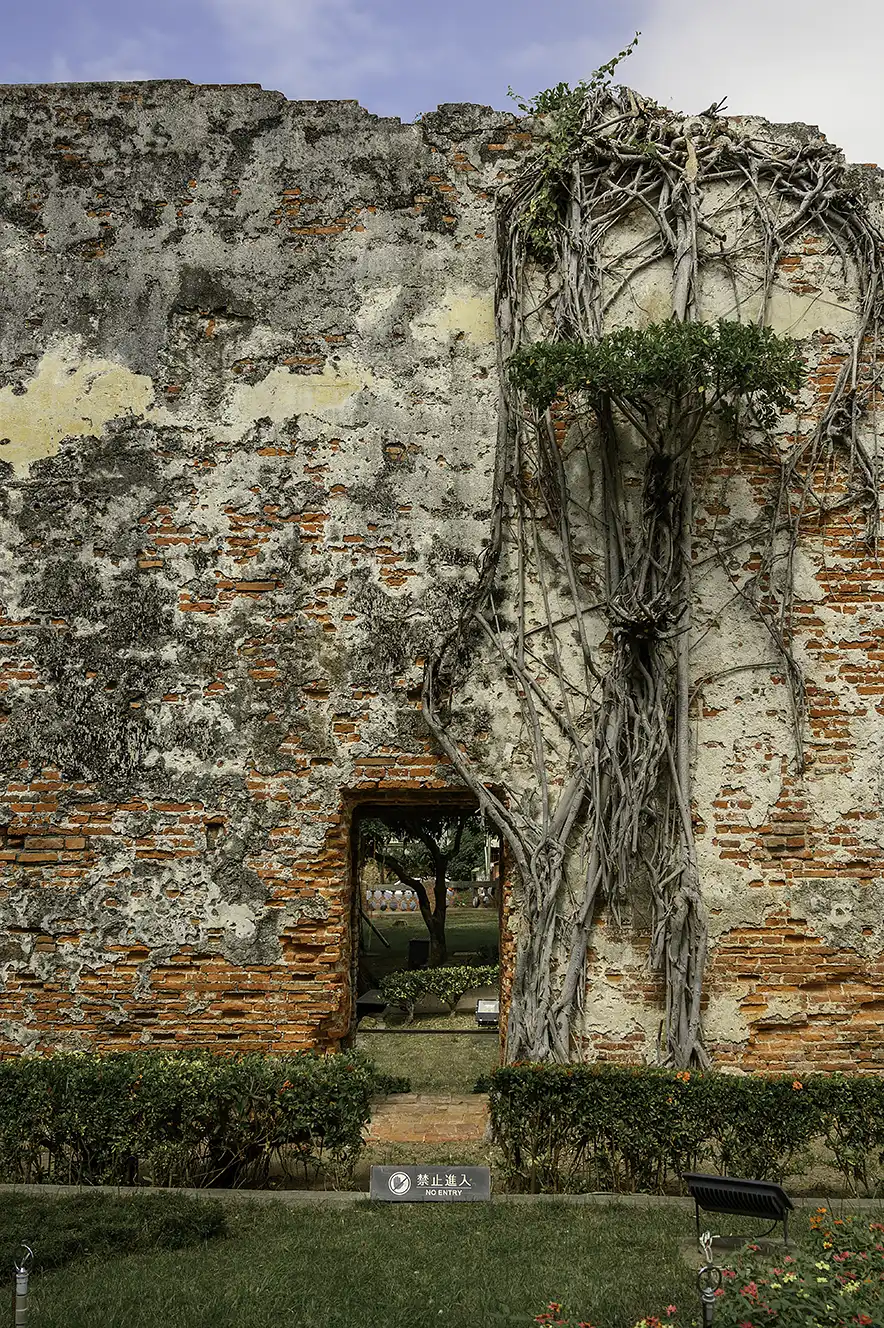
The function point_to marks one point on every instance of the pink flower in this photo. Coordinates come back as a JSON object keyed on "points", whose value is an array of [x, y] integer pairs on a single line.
{"points": [[670, 1309]]}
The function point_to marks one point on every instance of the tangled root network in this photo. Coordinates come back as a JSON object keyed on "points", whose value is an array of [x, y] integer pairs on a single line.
{"points": [[585, 608]]}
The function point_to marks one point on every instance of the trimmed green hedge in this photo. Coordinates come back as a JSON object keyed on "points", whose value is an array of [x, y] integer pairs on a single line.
{"points": [[406, 987], [190, 1118], [608, 1127]]}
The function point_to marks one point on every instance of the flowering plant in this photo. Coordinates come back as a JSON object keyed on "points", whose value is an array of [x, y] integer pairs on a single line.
{"points": [[552, 1318], [836, 1282]]}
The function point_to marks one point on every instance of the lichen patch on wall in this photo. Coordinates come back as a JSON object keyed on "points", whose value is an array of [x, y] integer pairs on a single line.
{"points": [[283, 394], [71, 395], [462, 313]]}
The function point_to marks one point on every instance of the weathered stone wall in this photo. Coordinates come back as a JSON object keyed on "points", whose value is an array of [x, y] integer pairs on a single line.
{"points": [[248, 400], [248, 404]]}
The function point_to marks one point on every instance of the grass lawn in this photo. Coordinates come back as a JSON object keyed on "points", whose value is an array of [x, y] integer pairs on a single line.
{"points": [[435, 1063], [68, 1229], [386, 1266], [467, 931]]}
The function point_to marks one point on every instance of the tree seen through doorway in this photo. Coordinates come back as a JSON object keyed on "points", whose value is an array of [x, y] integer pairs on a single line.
{"points": [[414, 844]]}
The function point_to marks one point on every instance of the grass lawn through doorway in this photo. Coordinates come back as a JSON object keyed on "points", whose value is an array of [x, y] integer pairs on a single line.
{"points": [[434, 1063], [469, 932]]}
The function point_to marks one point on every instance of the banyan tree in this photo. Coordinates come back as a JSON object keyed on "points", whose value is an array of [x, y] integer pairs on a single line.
{"points": [[646, 354]]}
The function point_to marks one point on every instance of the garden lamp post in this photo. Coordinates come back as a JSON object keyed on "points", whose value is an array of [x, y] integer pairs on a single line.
{"points": [[708, 1281], [22, 1274]]}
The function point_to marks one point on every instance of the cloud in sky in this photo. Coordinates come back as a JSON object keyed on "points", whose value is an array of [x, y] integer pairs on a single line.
{"points": [[783, 59], [786, 59], [314, 48], [402, 58], [97, 40], [132, 60]]}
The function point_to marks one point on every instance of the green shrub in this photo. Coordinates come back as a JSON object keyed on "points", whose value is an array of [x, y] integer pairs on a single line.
{"points": [[64, 1230], [189, 1118], [759, 1125], [601, 1127], [385, 1084], [628, 1128], [405, 988], [852, 1111]]}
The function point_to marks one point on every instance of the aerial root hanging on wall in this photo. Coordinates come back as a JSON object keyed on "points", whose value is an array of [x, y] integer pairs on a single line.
{"points": [[610, 737]]}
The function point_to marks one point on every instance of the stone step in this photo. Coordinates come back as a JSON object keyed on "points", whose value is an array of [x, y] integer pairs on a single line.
{"points": [[425, 1118]]}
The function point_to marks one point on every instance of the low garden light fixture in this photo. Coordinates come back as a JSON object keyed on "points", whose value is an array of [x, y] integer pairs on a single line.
{"points": [[744, 1198], [487, 1012], [370, 1002]]}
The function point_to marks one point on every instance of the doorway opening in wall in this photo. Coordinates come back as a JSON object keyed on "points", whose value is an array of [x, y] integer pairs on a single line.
{"points": [[427, 903]]}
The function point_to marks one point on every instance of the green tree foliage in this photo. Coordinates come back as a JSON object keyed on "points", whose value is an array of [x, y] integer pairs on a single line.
{"points": [[414, 843], [689, 369]]}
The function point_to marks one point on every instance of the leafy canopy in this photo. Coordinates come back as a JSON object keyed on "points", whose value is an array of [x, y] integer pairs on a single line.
{"points": [[719, 363], [407, 834]]}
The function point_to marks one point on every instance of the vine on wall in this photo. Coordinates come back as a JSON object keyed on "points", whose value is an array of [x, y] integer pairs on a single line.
{"points": [[585, 598]]}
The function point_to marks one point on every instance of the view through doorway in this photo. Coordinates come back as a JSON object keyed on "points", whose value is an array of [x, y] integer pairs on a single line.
{"points": [[428, 877]]}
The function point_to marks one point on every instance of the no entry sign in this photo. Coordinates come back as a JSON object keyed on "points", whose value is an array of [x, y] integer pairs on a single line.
{"points": [[448, 1184]]}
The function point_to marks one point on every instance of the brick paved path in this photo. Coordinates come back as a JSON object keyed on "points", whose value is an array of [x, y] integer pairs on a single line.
{"points": [[414, 1118]]}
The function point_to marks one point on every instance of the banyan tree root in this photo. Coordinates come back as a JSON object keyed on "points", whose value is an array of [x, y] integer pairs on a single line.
{"points": [[607, 726]]}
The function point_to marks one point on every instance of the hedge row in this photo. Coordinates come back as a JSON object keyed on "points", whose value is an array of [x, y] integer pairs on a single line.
{"points": [[405, 987], [604, 1127], [189, 1118]]}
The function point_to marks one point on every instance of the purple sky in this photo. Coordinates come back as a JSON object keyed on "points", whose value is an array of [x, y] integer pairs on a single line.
{"points": [[786, 59]]}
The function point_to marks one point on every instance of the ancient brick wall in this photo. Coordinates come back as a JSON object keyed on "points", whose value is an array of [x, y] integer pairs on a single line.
{"points": [[791, 863], [248, 402]]}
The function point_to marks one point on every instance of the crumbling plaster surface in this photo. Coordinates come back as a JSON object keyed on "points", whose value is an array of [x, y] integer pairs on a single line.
{"points": [[248, 403], [247, 412]]}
